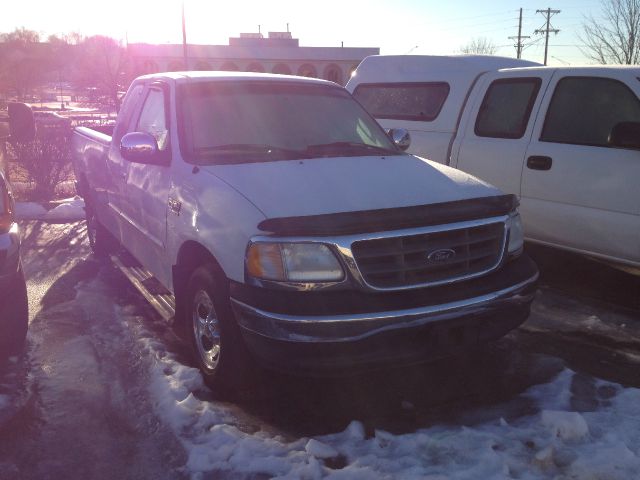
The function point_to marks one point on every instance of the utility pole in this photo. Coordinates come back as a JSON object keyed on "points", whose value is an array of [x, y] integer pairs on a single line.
{"points": [[548, 13], [519, 46], [184, 40]]}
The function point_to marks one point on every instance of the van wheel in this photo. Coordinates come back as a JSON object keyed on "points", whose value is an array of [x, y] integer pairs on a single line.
{"points": [[102, 243], [216, 341]]}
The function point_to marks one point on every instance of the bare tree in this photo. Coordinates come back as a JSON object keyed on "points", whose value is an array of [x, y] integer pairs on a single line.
{"points": [[480, 46], [101, 64], [614, 37], [23, 61]]}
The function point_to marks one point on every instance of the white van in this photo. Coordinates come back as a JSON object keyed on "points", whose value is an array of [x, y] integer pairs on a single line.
{"points": [[565, 140]]}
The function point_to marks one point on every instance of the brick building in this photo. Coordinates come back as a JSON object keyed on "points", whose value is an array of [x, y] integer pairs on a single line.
{"points": [[252, 52]]}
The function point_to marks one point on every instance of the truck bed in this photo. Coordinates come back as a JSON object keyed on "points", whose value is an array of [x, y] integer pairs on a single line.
{"points": [[90, 148]]}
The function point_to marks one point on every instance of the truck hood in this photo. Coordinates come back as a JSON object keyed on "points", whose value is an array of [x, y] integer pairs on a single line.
{"points": [[348, 184]]}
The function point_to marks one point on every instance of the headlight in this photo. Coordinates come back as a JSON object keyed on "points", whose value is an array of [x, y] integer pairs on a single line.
{"points": [[516, 235], [293, 262]]}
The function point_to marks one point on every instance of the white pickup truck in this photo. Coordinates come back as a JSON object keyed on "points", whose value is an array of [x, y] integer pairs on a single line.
{"points": [[276, 221], [565, 140]]}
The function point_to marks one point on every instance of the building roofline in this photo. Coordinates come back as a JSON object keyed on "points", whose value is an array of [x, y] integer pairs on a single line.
{"points": [[274, 53]]}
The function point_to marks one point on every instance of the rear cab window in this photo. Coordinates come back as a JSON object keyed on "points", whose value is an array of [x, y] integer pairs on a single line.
{"points": [[584, 110], [420, 102], [506, 108]]}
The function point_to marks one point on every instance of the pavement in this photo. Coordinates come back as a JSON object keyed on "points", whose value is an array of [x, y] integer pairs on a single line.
{"points": [[587, 313], [79, 402]]}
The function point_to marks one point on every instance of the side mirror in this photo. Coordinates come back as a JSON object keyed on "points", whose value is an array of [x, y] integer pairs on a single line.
{"points": [[400, 137], [625, 135], [141, 147], [22, 126]]}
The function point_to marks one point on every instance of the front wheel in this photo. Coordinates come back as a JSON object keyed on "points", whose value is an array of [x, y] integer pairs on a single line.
{"points": [[216, 341]]}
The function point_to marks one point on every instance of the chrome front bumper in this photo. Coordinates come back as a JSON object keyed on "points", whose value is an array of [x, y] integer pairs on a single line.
{"points": [[356, 327]]}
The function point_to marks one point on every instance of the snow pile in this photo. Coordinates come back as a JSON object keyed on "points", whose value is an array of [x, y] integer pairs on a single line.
{"points": [[30, 211], [566, 425], [210, 431], [69, 210], [552, 441], [319, 449]]}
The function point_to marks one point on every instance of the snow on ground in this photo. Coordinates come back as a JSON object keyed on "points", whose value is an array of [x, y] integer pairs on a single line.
{"points": [[68, 210], [554, 441], [30, 211]]}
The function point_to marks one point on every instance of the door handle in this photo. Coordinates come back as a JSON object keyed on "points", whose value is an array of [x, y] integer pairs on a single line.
{"points": [[539, 162]]}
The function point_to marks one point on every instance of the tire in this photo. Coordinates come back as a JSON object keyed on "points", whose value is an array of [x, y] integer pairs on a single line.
{"points": [[215, 338], [102, 243], [14, 319]]}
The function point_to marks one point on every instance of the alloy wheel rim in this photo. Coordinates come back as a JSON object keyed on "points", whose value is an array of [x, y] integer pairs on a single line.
{"points": [[206, 329]]}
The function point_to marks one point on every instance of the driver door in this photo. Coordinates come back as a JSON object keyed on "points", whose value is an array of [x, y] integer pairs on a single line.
{"points": [[147, 186]]}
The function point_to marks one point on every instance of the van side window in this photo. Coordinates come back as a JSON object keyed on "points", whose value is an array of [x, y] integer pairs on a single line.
{"points": [[506, 108], [584, 110], [153, 119], [420, 102]]}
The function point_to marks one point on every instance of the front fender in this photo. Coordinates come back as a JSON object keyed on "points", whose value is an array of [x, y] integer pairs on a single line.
{"points": [[216, 216]]}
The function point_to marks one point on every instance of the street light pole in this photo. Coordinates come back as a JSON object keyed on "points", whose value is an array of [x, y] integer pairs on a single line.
{"points": [[184, 40]]}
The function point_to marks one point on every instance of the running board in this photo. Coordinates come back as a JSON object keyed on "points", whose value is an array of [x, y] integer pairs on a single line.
{"points": [[151, 289]]}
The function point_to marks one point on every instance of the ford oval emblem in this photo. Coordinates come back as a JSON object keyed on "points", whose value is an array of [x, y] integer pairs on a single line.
{"points": [[442, 255]]}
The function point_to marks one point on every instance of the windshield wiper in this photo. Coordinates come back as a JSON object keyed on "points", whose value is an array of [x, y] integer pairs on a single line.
{"points": [[251, 149], [240, 148], [348, 148]]}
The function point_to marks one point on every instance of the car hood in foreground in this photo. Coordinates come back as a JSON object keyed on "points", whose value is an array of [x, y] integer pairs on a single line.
{"points": [[348, 184]]}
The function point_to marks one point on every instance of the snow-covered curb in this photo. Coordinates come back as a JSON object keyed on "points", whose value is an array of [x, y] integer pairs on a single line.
{"points": [[68, 210]]}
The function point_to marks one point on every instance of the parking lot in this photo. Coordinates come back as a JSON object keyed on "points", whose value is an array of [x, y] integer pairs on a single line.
{"points": [[105, 390]]}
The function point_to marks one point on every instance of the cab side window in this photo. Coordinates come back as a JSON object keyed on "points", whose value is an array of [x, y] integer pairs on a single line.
{"points": [[129, 105], [506, 108], [153, 118], [584, 110]]}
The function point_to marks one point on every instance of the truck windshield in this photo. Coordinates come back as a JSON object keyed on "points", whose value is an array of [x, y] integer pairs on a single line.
{"points": [[253, 121]]}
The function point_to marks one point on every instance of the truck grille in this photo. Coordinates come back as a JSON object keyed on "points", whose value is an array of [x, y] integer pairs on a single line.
{"points": [[429, 258]]}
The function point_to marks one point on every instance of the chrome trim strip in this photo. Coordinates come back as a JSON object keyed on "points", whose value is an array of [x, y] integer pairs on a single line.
{"points": [[283, 327], [342, 247]]}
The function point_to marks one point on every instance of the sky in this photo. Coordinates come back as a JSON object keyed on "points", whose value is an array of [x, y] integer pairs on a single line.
{"points": [[427, 27]]}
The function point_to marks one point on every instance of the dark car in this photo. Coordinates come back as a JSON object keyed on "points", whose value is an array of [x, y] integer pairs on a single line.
{"points": [[14, 312]]}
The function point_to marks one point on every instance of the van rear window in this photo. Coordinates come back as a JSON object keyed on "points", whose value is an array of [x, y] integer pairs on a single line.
{"points": [[420, 102]]}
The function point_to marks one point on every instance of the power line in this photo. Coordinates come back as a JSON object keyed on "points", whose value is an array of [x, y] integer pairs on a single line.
{"points": [[466, 27], [548, 13], [474, 17]]}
